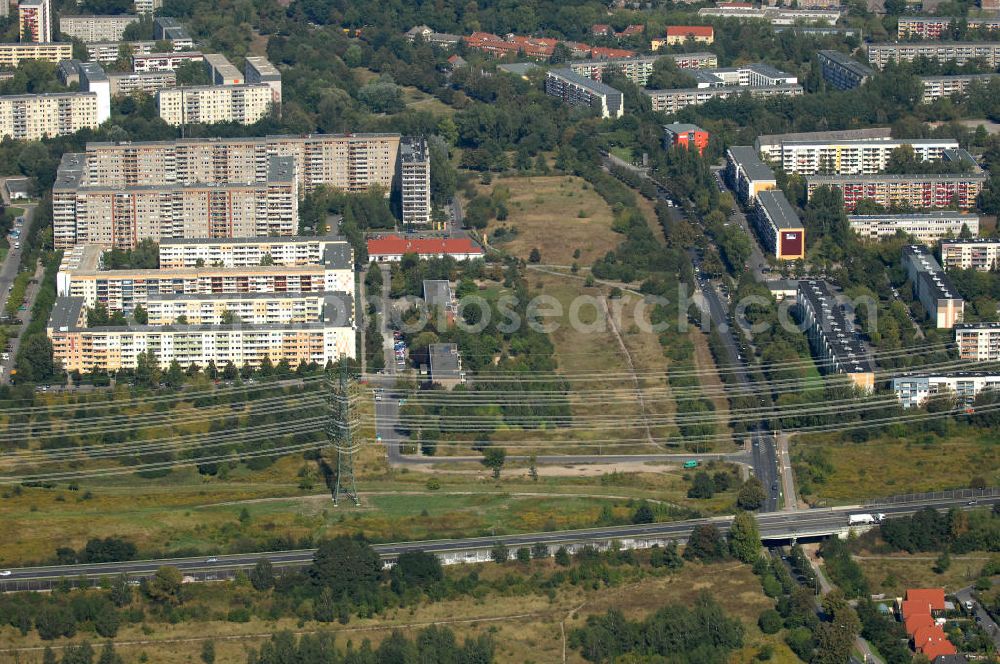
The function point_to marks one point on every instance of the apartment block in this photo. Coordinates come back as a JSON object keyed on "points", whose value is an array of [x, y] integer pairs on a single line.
{"points": [[757, 74], [91, 29], [981, 254], [11, 55], [170, 29], [311, 265], [926, 227], [221, 71], [978, 342], [113, 216], [681, 34], [853, 157], [147, 6], [35, 20], [32, 117], [842, 71], [769, 145], [330, 250], [777, 16], [936, 87], [913, 391], [832, 338], [209, 104], [259, 70], [577, 90], [961, 52], [747, 174], [638, 70], [779, 227], [937, 27], [328, 337], [932, 287], [671, 101], [130, 83], [415, 181], [93, 79], [244, 308], [147, 62], [685, 135], [917, 190]]}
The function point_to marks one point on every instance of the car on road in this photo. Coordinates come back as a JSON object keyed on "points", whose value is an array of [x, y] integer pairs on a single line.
{"points": [[972, 502], [212, 560], [6, 572]]}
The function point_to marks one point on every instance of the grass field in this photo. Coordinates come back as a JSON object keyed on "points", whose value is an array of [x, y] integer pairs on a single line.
{"points": [[890, 466], [527, 628], [545, 211], [893, 574]]}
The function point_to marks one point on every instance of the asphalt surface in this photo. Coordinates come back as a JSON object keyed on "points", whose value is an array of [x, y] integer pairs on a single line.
{"points": [[982, 615], [774, 527], [8, 272]]}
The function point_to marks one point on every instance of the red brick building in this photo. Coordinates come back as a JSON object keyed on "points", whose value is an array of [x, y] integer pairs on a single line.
{"points": [[686, 135]]}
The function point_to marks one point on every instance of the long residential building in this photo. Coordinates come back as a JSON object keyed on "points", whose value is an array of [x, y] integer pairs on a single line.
{"points": [[936, 87], [300, 265], [832, 338], [671, 101], [773, 15], [747, 174], [853, 157], [638, 70], [33, 117], [842, 71], [146, 62], [932, 287], [115, 216], [244, 308], [781, 231], [936, 27], [577, 90], [961, 52], [328, 337], [11, 55], [919, 191], [91, 29], [129, 83], [978, 342], [926, 227], [769, 145], [210, 104], [914, 390], [142, 52], [981, 254]]}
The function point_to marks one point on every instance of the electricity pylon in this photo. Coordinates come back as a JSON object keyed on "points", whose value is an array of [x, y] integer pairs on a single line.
{"points": [[339, 432]]}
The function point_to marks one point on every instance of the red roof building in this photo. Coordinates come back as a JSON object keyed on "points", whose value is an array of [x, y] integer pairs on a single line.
{"points": [[391, 248], [602, 53], [631, 31], [601, 30], [928, 637], [933, 597], [678, 34]]}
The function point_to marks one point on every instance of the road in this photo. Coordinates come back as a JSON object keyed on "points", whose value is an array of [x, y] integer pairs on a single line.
{"points": [[8, 272], [982, 615], [779, 526], [758, 261]]}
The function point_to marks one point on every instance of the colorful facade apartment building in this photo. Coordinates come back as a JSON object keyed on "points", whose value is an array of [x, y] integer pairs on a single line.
{"points": [[981, 254]]}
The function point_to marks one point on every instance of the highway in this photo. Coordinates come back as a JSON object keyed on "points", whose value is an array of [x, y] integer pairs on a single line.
{"points": [[774, 527]]}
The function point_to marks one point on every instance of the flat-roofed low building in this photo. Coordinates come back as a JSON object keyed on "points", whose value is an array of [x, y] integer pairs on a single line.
{"points": [[978, 342], [936, 87], [438, 294], [211, 104], [130, 83], [842, 71], [13, 54], [913, 390], [164, 61], [329, 337], [776, 16], [881, 54], [747, 174], [82, 274], [577, 90], [932, 287], [926, 227], [780, 229], [832, 337], [445, 365], [981, 254], [90, 29], [685, 135], [673, 100]]}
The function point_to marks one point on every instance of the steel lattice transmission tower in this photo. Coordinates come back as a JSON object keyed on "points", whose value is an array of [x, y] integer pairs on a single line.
{"points": [[339, 430]]}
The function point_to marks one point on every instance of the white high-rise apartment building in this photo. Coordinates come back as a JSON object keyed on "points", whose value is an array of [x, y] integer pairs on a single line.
{"points": [[854, 157], [209, 104], [93, 29], [32, 117]]}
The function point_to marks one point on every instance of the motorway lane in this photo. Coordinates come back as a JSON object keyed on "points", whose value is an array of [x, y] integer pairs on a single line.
{"points": [[773, 526]]}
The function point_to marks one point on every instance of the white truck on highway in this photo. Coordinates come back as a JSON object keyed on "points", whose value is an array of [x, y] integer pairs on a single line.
{"points": [[864, 519]]}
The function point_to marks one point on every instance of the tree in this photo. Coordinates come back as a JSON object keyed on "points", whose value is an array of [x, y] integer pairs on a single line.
{"points": [[523, 555], [208, 652], [262, 575], [706, 544], [106, 620], [349, 566], [533, 466], [164, 587], [942, 563], [644, 514], [770, 622], [494, 459], [500, 553], [34, 361], [744, 538], [562, 557], [121, 592], [418, 569], [535, 256], [751, 495], [702, 486]]}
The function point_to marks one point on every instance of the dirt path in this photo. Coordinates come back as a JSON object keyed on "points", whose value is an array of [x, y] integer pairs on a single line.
{"points": [[705, 364], [631, 369]]}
